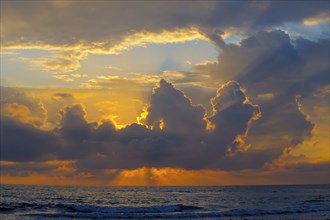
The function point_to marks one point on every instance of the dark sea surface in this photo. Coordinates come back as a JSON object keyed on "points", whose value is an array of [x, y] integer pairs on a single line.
{"points": [[218, 202]]}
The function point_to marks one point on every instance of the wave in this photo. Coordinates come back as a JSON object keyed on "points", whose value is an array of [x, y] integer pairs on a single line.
{"points": [[127, 209], [98, 209], [170, 212], [6, 208]]}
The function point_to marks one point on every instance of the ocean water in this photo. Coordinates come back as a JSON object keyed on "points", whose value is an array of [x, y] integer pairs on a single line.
{"points": [[218, 202]]}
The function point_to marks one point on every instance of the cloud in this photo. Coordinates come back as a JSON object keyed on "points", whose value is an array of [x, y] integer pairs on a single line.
{"points": [[293, 11], [171, 111], [321, 18], [304, 171], [181, 141], [105, 29], [116, 68], [78, 75], [22, 142], [272, 70], [141, 81], [73, 123], [24, 107], [65, 78], [114, 30], [98, 149], [26, 168], [54, 169], [199, 95], [65, 61], [232, 115], [316, 68], [57, 65], [103, 26], [59, 96]]}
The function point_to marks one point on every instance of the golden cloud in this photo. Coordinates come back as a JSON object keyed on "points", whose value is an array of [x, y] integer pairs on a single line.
{"points": [[67, 57], [23, 114], [321, 18]]}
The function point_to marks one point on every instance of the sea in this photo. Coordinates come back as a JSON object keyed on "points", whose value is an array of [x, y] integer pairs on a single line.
{"points": [[160, 202]]}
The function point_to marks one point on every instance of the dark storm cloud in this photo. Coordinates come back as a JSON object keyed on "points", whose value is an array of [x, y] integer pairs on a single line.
{"points": [[23, 142], [183, 141], [274, 73], [290, 11], [175, 110], [317, 67], [73, 123], [102, 20], [254, 14], [180, 142], [80, 138], [232, 114], [60, 22], [256, 59]]}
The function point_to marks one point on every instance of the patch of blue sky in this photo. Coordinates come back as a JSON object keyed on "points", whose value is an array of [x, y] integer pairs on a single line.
{"points": [[312, 32], [233, 39]]}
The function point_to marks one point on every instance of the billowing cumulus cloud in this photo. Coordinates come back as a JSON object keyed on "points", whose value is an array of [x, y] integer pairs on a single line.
{"points": [[176, 136], [273, 70], [232, 115], [23, 142], [171, 111]]}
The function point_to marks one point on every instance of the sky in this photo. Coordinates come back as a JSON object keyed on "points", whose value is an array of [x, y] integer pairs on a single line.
{"points": [[164, 92]]}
